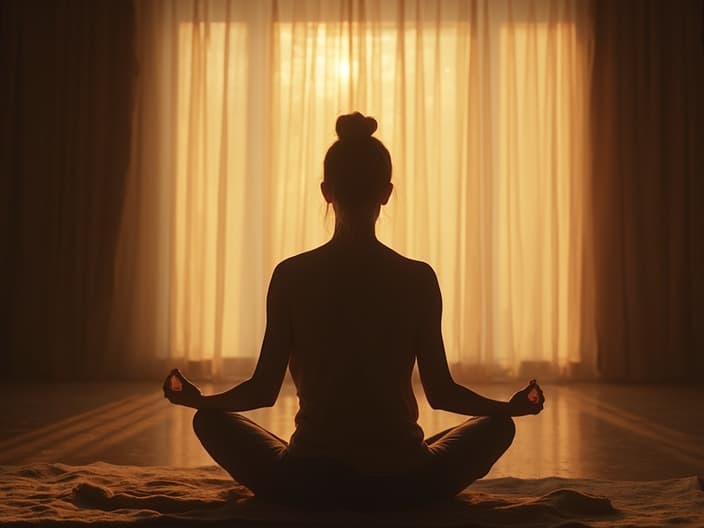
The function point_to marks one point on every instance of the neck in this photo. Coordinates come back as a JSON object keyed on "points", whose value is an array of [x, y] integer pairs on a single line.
{"points": [[354, 233], [355, 227]]}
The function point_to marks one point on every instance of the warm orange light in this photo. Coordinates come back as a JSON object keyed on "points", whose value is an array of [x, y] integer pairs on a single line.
{"points": [[486, 155], [343, 70]]}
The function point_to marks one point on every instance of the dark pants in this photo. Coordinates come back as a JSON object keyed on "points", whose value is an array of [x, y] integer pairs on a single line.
{"points": [[260, 460]]}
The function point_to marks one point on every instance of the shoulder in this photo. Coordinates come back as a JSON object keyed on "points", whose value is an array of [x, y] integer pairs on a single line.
{"points": [[419, 270], [297, 263], [425, 271], [420, 278], [427, 278]]}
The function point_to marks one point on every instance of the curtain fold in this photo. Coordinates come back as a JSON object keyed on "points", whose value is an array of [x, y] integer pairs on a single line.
{"points": [[648, 189], [484, 107], [65, 100], [549, 241]]}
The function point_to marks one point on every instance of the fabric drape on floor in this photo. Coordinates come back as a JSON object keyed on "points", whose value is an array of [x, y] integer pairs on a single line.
{"points": [[483, 105], [648, 189], [65, 102]]}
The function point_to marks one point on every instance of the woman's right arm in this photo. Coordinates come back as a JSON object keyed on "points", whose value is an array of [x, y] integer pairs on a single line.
{"points": [[262, 389], [440, 389]]}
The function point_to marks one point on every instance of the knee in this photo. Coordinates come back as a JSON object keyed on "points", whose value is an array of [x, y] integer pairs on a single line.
{"points": [[205, 419], [505, 429]]}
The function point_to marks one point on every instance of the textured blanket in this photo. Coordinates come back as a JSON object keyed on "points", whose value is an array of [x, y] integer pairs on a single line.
{"points": [[108, 495]]}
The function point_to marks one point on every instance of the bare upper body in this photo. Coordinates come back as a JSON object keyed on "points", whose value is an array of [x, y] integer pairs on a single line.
{"points": [[350, 319], [356, 317]]}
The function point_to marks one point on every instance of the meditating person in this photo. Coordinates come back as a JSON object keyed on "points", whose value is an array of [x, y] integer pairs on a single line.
{"points": [[350, 319]]}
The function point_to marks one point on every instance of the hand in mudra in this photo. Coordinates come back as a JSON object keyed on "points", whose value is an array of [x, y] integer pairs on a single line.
{"points": [[179, 390], [528, 401]]}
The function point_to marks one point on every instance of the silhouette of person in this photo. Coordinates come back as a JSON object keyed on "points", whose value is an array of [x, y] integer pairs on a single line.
{"points": [[350, 319]]}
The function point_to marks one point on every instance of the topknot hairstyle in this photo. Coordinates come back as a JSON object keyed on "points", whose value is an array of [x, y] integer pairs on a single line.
{"points": [[355, 126], [357, 166]]}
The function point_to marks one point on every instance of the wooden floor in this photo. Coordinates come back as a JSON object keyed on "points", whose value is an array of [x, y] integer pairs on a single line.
{"points": [[586, 431]]}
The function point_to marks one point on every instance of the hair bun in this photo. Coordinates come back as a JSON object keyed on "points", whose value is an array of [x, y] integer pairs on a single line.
{"points": [[355, 126]]}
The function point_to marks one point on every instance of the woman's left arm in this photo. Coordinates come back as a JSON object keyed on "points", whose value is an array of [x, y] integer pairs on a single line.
{"points": [[262, 389]]}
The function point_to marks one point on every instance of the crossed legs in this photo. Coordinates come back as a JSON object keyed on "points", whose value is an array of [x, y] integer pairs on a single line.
{"points": [[465, 453], [249, 453], [258, 459]]}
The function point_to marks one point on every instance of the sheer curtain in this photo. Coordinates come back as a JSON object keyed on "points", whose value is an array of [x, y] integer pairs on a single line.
{"points": [[483, 106]]}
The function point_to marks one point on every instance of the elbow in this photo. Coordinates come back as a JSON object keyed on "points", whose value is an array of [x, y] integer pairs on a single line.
{"points": [[441, 399], [437, 401], [262, 394], [268, 398]]}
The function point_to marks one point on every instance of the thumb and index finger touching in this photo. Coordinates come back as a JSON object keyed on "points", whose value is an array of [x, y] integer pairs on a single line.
{"points": [[173, 382], [535, 393]]}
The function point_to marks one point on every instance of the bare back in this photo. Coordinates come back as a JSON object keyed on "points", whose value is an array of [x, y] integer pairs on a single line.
{"points": [[354, 321]]}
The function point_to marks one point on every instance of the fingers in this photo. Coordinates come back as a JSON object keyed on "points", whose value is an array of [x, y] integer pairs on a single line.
{"points": [[166, 387], [538, 407], [534, 383], [539, 402], [176, 384]]}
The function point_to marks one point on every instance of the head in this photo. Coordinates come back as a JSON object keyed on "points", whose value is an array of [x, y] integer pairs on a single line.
{"points": [[357, 171]]}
